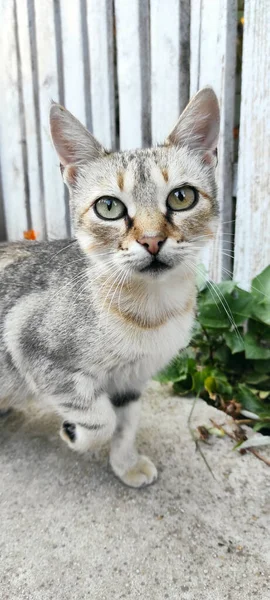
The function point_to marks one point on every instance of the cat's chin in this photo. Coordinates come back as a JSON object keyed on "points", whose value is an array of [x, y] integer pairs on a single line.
{"points": [[155, 268]]}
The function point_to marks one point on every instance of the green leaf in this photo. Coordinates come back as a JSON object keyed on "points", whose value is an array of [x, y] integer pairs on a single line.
{"points": [[255, 378], [260, 286], [248, 400], [174, 372], [262, 366], [256, 347], [259, 328], [261, 311], [183, 387], [226, 287], [234, 341], [221, 354], [224, 388], [261, 425], [178, 368], [260, 289], [199, 379], [217, 383], [211, 315], [210, 385], [240, 303], [218, 361], [266, 415], [226, 310]]}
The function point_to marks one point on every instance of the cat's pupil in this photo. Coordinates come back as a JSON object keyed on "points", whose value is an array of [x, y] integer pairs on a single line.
{"points": [[179, 194], [109, 204]]}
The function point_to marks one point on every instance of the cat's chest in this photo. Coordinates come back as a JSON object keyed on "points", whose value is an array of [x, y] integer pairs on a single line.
{"points": [[141, 353]]}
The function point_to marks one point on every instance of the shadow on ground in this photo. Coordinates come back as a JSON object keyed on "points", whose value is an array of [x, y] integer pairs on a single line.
{"points": [[70, 529]]}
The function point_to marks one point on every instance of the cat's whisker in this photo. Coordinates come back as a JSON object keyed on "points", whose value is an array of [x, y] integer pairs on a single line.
{"points": [[116, 282], [67, 285], [95, 293], [199, 248], [63, 249], [124, 281], [223, 302], [77, 280]]}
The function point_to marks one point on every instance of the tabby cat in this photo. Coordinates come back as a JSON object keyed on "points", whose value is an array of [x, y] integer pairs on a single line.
{"points": [[85, 323]]}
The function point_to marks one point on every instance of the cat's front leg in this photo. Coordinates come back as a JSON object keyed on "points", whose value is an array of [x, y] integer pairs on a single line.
{"points": [[87, 427], [133, 469]]}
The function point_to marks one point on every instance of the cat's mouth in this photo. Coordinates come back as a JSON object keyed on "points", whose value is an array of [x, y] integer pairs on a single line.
{"points": [[155, 267]]}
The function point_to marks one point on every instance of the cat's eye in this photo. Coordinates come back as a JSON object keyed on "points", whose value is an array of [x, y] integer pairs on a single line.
{"points": [[182, 198], [110, 209]]}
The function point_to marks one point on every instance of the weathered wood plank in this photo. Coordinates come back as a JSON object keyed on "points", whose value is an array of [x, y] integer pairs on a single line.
{"points": [[213, 63], [100, 35], [37, 209], [55, 207], [130, 54], [11, 139], [72, 48], [169, 64], [252, 239], [195, 45]]}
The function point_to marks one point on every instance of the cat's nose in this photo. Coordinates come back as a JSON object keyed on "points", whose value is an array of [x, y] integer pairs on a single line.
{"points": [[152, 243]]}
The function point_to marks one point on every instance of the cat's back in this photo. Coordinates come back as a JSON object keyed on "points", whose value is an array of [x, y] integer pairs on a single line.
{"points": [[27, 267]]}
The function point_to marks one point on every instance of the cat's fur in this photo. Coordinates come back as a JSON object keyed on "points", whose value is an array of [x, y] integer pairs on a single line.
{"points": [[81, 327]]}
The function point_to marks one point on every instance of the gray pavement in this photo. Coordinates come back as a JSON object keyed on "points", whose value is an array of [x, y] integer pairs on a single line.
{"points": [[69, 529]]}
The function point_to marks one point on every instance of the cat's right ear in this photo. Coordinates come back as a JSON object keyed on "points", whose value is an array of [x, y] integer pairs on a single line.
{"points": [[73, 143]]}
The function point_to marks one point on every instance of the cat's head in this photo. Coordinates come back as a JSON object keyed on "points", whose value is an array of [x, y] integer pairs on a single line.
{"points": [[149, 211]]}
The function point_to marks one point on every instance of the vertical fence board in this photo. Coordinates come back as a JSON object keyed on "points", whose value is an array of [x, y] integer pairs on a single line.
{"points": [[169, 64], [129, 73], [31, 125], [213, 63], [195, 45], [11, 142], [100, 33], [72, 47], [165, 43], [252, 241], [49, 90]]}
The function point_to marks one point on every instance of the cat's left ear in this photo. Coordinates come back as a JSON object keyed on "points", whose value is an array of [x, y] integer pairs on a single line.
{"points": [[198, 126]]}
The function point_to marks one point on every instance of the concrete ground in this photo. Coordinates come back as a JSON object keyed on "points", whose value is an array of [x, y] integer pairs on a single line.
{"points": [[69, 529]]}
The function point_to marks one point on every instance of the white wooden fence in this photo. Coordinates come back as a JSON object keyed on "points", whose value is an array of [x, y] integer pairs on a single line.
{"points": [[126, 68]]}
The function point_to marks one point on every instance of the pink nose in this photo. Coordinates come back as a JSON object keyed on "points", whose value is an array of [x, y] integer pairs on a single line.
{"points": [[152, 244]]}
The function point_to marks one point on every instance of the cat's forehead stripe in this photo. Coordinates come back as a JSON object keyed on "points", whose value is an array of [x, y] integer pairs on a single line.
{"points": [[120, 180], [165, 175]]}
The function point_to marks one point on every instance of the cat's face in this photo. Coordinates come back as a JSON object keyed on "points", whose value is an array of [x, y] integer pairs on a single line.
{"points": [[144, 212]]}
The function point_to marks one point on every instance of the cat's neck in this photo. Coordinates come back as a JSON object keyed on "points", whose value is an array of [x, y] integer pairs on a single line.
{"points": [[147, 304]]}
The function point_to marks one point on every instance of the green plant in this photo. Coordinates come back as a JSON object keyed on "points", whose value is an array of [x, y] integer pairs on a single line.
{"points": [[228, 361]]}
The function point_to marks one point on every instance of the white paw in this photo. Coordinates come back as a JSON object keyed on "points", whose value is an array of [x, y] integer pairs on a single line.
{"points": [[79, 438], [143, 473]]}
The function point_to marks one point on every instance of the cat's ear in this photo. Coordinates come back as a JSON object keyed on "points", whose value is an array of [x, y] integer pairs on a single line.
{"points": [[73, 143], [198, 126]]}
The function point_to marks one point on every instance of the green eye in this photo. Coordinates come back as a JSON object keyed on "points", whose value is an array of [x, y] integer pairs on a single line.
{"points": [[110, 208], [182, 198]]}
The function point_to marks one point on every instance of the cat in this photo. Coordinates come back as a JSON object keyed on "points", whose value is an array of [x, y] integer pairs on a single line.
{"points": [[84, 323]]}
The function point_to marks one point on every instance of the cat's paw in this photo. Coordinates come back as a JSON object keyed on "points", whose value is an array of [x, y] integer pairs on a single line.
{"points": [[143, 473], [77, 438]]}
